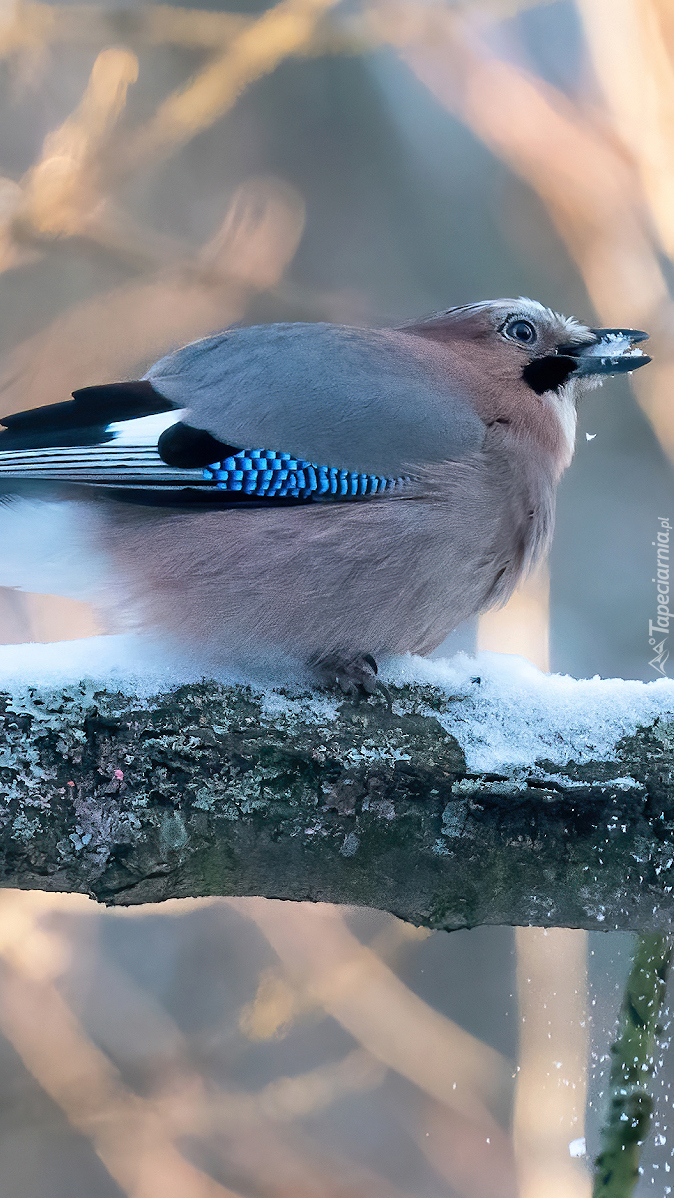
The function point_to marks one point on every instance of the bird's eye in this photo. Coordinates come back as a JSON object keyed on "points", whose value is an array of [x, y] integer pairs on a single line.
{"points": [[521, 330]]}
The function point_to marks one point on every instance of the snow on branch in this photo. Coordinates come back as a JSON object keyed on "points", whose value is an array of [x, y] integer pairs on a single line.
{"points": [[487, 793]]}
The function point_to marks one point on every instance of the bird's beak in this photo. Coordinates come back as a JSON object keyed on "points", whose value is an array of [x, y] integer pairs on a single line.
{"points": [[613, 351]]}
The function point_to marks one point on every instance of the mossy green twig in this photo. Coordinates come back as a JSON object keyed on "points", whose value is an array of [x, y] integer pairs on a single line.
{"points": [[631, 1104]]}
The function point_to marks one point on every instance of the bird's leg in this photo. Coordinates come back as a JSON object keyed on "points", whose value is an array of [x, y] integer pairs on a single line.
{"points": [[353, 675]]}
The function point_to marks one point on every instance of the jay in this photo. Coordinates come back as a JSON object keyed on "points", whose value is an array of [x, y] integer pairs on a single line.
{"points": [[312, 492]]}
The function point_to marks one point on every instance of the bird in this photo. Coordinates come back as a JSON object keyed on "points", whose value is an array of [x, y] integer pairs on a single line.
{"points": [[314, 493]]}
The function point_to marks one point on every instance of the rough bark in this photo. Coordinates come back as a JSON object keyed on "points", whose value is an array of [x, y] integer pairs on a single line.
{"points": [[213, 790]]}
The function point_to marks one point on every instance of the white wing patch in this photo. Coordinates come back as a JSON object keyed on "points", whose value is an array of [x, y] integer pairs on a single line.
{"points": [[130, 458]]}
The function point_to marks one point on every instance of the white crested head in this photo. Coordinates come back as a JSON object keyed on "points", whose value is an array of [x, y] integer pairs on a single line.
{"points": [[530, 364], [549, 329]]}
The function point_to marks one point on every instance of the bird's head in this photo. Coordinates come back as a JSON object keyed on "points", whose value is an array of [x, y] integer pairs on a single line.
{"points": [[526, 366]]}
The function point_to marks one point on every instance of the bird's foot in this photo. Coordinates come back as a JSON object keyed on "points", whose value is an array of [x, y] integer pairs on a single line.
{"points": [[354, 676]]}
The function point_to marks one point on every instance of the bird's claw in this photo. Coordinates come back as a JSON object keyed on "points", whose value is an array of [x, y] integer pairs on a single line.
{"points": [[352, 675]]}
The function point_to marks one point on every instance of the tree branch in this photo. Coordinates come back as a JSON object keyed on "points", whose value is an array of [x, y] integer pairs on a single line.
{"points": [[632, 1067], [215, 789]]}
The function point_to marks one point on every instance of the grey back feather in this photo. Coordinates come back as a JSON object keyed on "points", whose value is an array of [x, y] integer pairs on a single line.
{"points": [[358, 399]]}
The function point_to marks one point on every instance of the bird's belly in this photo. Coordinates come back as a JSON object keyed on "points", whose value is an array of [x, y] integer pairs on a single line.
{"points": [[380, 578]]}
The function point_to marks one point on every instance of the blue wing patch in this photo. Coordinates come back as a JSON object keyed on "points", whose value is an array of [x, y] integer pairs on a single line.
{"points": [[265, 474]]}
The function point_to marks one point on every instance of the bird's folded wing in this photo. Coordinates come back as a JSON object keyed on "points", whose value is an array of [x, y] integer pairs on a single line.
{"points": [[362, 400], [276, 414]]}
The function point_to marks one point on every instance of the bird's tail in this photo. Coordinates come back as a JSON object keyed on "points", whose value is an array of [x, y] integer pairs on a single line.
{"points": [[104, 436], [104, 464]]}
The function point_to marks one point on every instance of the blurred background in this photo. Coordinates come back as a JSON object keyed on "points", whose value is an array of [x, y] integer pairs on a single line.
{"points": [[166, 171]]}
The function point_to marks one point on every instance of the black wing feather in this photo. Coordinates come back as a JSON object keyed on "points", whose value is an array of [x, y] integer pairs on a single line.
{"points": [[83, 424], [188, 448], [92, 407]]}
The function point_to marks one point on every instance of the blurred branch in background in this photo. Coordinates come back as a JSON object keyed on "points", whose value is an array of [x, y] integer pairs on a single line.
{"points": [[66, 193], [459, 1149], [353, 985], [124, 1129], [469, 1082], [253, 1136], [27, 27], [61, 192], [552, 1075], [279, 1002], [590, 190], [30, 27], [634, 66], [133, 1136], [255, 50], [60, 196], [63, 195], [523, 625], [106, 337]]}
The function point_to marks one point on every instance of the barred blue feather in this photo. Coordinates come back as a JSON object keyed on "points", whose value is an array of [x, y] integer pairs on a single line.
{"points": [[267, 474]]}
